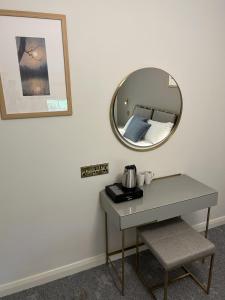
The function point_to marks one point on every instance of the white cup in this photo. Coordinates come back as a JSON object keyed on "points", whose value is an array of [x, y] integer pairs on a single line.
{"points": [[140, 179], [148, 177]]}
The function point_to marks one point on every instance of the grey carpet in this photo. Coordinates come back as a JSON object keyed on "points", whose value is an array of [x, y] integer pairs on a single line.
{"points": [[97, 283]]}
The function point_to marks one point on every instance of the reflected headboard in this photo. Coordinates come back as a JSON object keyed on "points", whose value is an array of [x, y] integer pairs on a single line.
{"points": [[154, 113], [143, 111]]}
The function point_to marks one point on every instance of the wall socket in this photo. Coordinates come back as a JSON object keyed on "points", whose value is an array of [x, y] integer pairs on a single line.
{"points": [[94, 170]]}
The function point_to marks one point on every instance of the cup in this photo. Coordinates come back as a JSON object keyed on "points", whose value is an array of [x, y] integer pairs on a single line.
{"points": [[140, 179], [148, 177]]}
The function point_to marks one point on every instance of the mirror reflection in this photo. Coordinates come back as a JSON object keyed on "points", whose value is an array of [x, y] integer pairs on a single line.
{"points": [[146, 108]]}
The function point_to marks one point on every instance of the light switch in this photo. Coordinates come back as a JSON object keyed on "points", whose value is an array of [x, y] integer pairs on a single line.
{"points": [[94, 170]]}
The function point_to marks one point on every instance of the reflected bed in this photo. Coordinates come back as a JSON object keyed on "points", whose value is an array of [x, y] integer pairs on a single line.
{"points": [[161, 123]]}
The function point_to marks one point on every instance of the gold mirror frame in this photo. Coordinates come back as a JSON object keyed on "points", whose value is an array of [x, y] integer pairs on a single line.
{"points": [[121, 139]]}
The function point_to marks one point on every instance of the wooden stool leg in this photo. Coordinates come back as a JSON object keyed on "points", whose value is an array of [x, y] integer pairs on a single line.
{"points": [[166, 279], [210, 273]]}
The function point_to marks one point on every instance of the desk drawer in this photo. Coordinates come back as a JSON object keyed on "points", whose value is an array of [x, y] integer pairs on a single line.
{"points": [[168, 211]]}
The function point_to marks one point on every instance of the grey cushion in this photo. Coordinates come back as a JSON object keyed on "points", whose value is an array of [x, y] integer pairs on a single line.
{"points": [[163, 117], [143, 112], [174, 243], [136, 129]]}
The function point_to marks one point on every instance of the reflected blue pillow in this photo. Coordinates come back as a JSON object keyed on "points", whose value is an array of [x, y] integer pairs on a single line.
{"points": [[136, 130], [136, 117]]}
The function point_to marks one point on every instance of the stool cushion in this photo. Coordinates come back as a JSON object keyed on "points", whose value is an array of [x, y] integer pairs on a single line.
{"points": [[173, 242]]}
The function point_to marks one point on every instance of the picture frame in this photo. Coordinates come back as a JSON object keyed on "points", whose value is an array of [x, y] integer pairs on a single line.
{"points": [[34, 65]]}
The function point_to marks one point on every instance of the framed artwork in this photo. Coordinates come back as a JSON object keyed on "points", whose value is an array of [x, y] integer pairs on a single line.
{"points": [[34, 65]]}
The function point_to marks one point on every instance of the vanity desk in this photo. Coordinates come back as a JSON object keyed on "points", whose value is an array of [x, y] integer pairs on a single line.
{"points": [[164, 198]]}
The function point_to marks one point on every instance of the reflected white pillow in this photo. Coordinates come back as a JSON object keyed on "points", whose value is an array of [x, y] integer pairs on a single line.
{"points": [[158, 131]]}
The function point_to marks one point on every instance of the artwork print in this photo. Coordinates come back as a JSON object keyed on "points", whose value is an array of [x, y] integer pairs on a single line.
{"points": [[34, 65], [32, 59]]}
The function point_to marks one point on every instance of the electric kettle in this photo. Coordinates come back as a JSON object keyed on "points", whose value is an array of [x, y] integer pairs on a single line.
{"points": [[129, 178]]}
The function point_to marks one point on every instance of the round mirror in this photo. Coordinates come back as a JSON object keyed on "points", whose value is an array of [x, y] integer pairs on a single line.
{"points": [[146, 109]]}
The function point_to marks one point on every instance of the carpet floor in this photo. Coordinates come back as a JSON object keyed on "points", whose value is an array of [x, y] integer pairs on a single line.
{"points": [[97, 283]]}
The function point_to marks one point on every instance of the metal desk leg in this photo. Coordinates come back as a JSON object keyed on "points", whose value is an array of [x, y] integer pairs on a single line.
{"points": [[106, 239], [166, 281], [210, 274], [207, 228], [123, 242], [207, 223], [137, 250], [108, 260]]}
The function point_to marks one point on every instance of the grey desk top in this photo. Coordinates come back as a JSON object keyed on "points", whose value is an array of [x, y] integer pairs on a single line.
{"points": [[167, 193]]}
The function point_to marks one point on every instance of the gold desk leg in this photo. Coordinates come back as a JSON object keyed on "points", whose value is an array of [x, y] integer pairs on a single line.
{"points": [[137, 250], [123, 242], [207, 228], [108, 260], [166, 281], [210, 273], [106, 239], [207, 223]]}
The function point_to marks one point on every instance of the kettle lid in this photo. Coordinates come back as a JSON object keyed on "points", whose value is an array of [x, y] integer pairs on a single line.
{"points": [[130, 167]]}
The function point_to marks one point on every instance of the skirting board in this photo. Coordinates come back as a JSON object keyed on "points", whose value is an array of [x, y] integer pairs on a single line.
{"points": [[82, 265]]}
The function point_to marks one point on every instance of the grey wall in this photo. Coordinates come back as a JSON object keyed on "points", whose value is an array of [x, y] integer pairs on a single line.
{"points": [[49, 216], [150, 87]]}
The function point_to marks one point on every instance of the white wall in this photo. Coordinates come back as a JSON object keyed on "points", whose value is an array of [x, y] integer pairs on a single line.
{"points": [[49, 216]]}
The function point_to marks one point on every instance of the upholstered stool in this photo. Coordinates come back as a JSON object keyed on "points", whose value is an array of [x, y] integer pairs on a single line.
{"points": [[174, 243]]}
